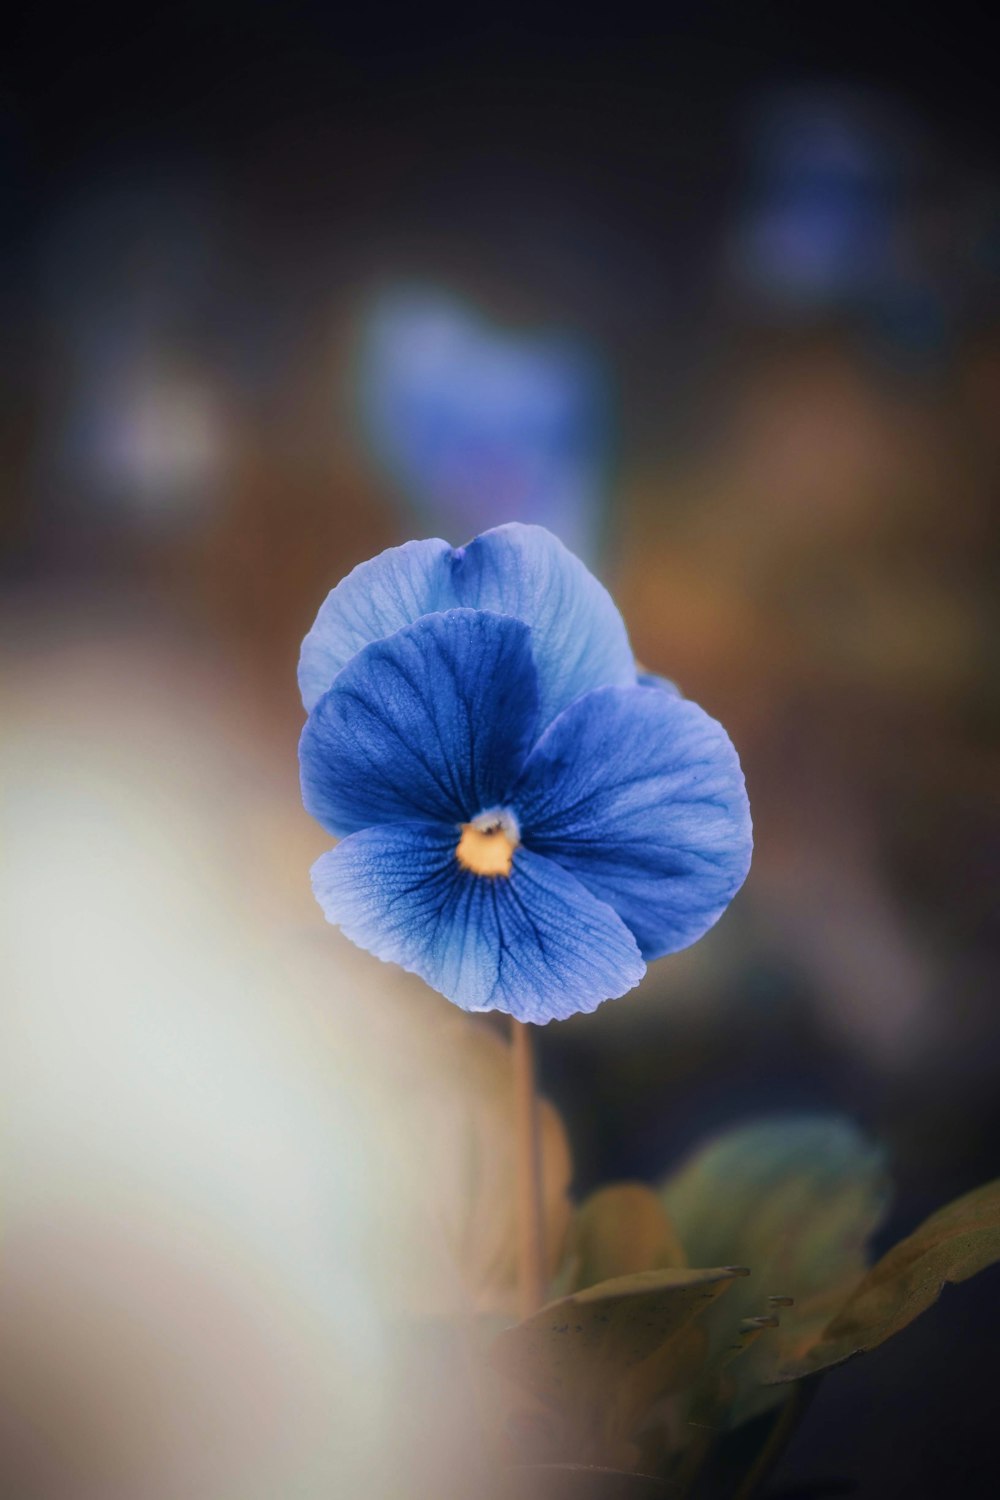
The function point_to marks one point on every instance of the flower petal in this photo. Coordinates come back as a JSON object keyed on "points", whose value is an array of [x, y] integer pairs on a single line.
{"points": [[378, 598], [433, 722], [640, 795], [578, 637], [537, 945], [651, 679]]}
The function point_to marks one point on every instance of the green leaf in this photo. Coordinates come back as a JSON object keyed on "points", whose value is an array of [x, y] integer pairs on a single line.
{"points": [[795, 1199], [703, 1409], [602, 1357], [619, 1230], [953, 1244]]}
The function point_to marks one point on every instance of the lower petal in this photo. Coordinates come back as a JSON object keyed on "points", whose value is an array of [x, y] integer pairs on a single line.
{"points": [[536, 945]]}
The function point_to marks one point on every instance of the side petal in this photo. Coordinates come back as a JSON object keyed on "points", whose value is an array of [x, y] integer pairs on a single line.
{"points": [[433, 722], [536, 945], [640, 795], [578, 638], [378, 598]]}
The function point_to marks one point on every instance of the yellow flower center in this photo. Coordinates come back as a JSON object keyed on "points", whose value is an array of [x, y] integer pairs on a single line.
{"points": [[487, 844]]}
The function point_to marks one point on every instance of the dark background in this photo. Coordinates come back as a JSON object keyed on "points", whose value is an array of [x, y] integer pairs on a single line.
{"points": [[801, 519]]}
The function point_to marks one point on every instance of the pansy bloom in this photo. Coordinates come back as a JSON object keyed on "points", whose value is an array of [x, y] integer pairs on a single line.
{"points": [[474, 423], [522, 822]]}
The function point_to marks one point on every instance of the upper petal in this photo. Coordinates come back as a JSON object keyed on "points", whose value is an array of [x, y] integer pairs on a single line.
{"points": [[536, 945], [640, 795], [433, 722], [578, 638]]}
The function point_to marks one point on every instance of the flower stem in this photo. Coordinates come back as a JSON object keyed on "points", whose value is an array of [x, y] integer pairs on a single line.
{"points": [[788, 1418], [528, 1167]]}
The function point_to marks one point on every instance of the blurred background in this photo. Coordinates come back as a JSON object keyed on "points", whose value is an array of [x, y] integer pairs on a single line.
{"points": [[718, 302]]}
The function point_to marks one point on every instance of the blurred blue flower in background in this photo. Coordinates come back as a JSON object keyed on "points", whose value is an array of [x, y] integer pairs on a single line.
{"points": [[477, 426], [836, 218], [827, 190], [523, 824]]}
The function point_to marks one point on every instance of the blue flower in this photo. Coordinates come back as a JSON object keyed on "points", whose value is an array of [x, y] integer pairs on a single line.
{"points": [[522, 823], [476, 425]]}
